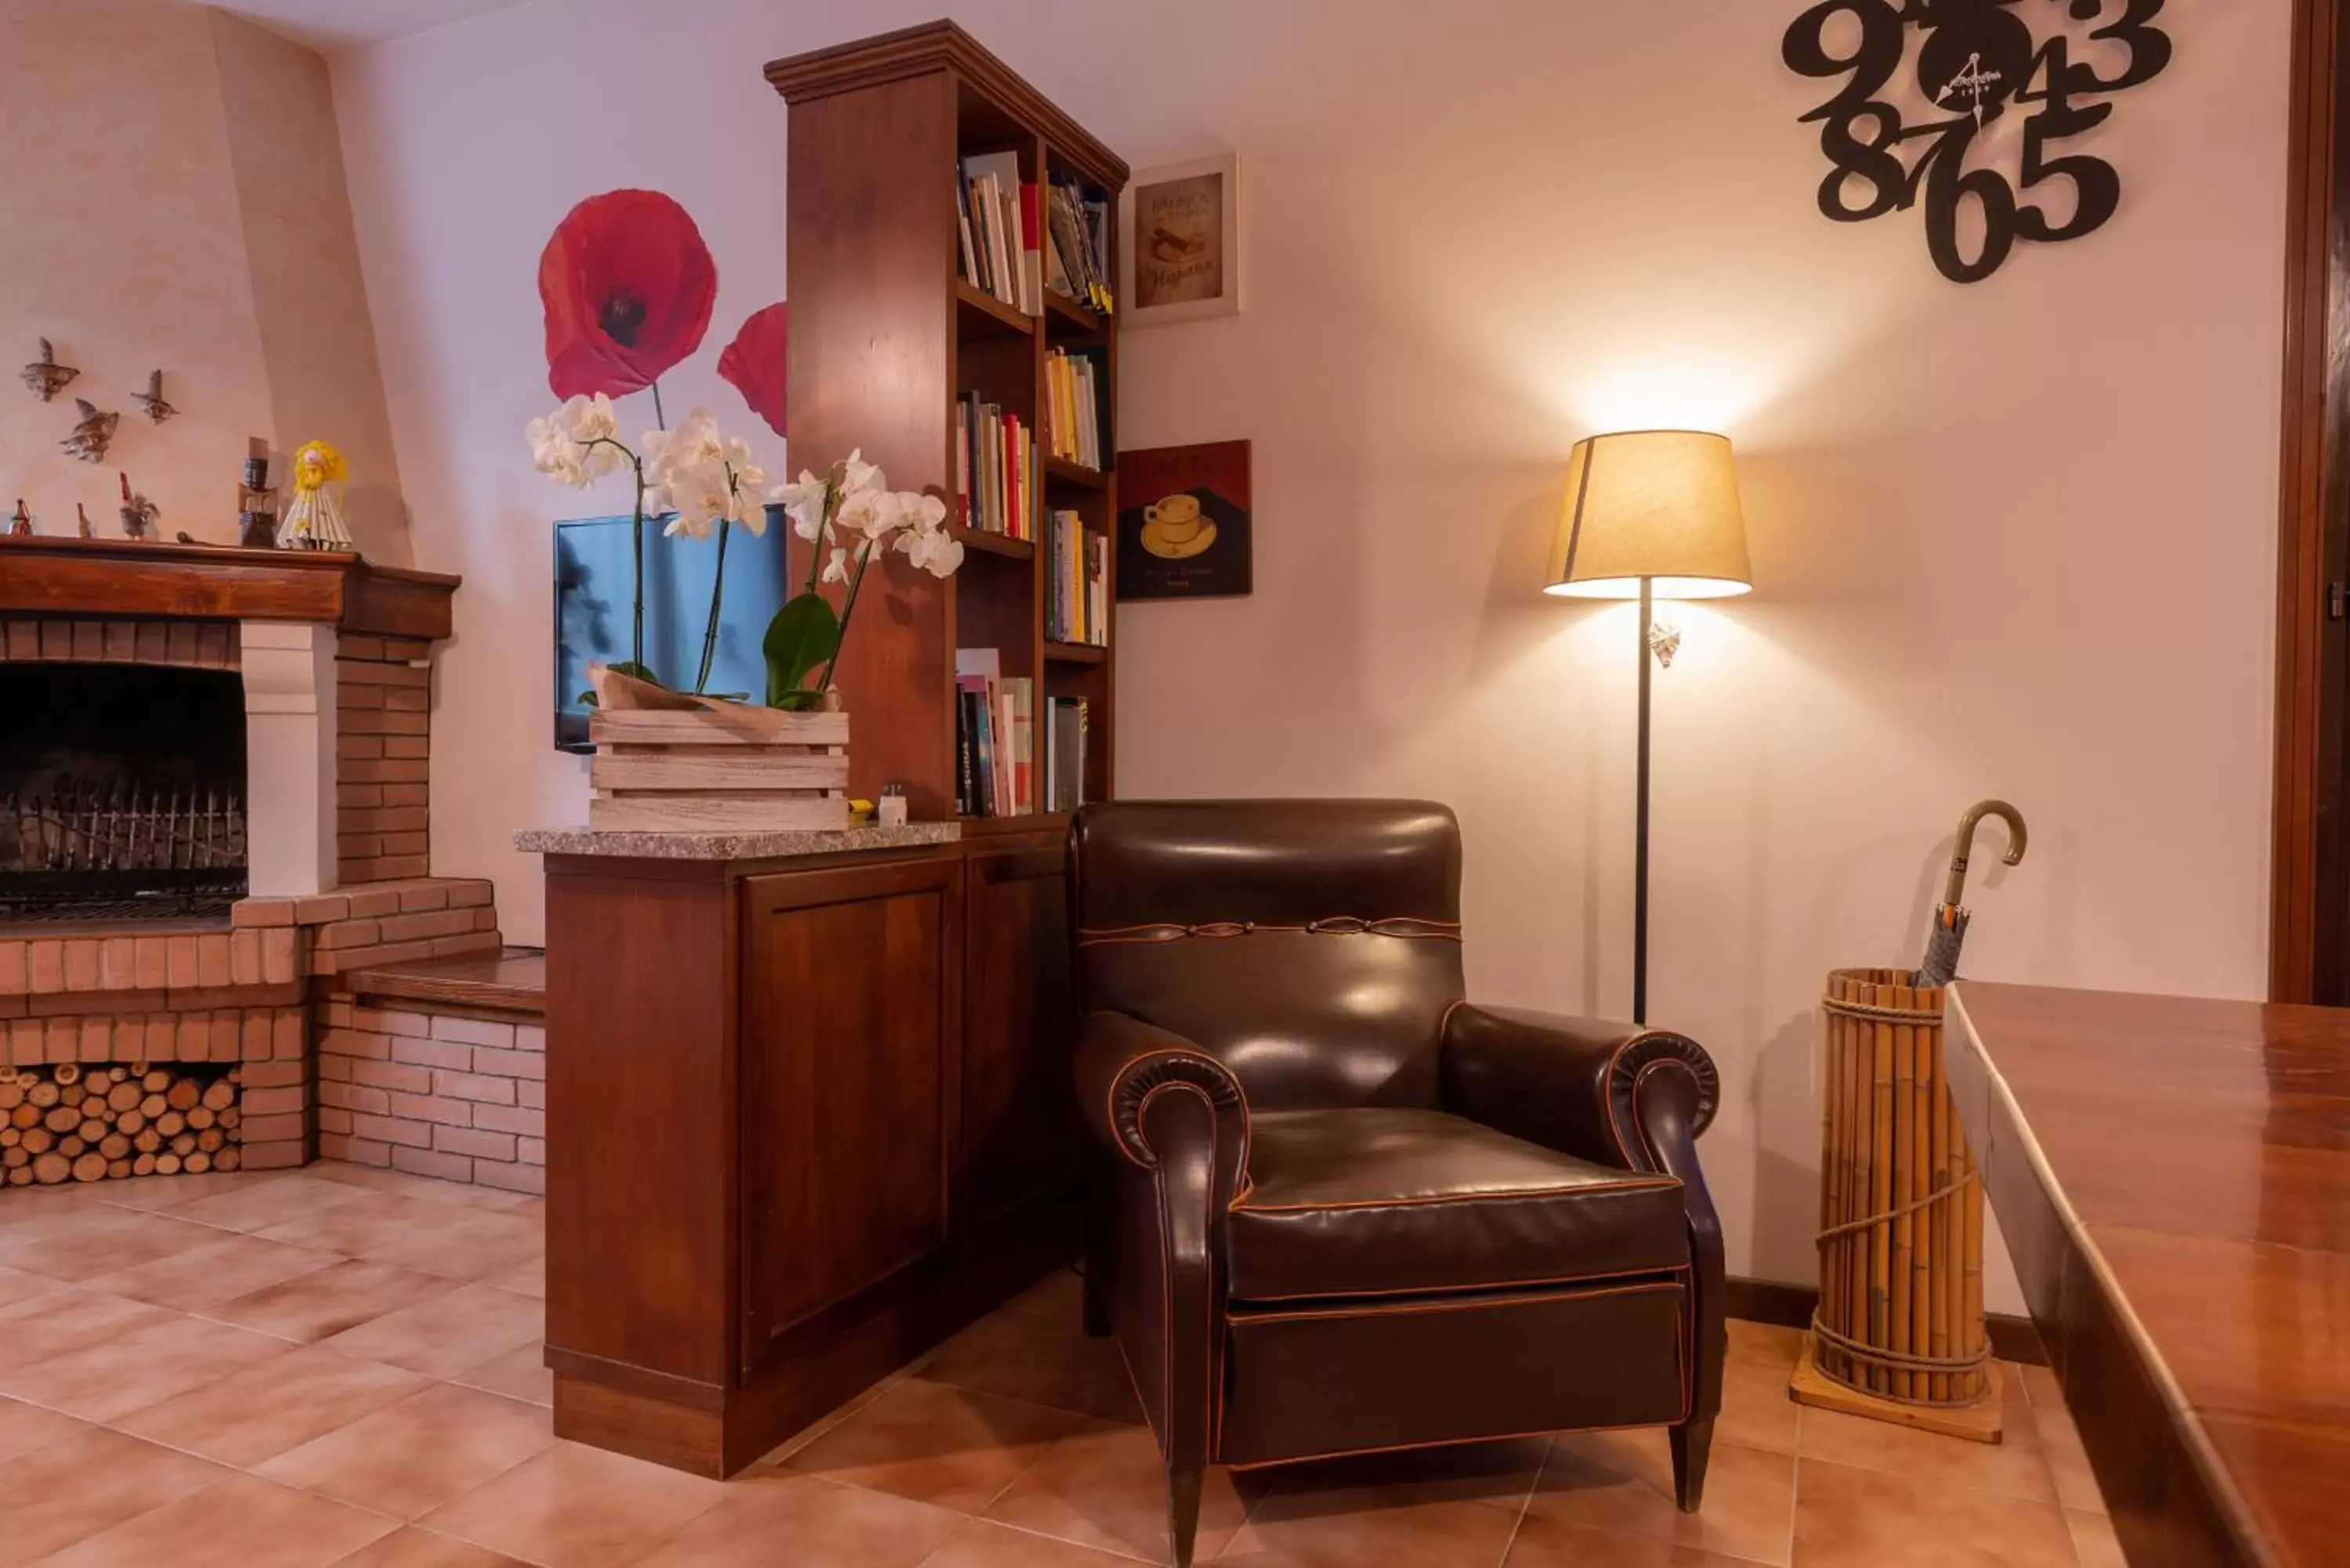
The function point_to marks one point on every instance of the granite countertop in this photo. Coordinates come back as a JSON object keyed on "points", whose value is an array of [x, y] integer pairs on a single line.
{"points": [[755, 846]]}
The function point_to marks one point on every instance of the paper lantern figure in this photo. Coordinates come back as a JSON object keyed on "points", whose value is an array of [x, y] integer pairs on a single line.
{"points": [[314, 519]]}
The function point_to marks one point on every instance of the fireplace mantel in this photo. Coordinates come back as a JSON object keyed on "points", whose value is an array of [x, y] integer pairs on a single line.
{"points": [[43, 576]]}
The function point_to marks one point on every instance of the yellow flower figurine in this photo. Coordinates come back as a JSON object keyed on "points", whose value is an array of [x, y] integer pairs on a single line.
{"points": [[315, 519]]}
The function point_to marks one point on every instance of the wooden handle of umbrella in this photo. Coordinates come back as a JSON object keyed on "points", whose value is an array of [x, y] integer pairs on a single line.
{"points": [[2018, 837]]}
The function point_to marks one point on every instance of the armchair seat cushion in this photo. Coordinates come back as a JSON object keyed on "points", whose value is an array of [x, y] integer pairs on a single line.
{"points": [[1384, 1201]]}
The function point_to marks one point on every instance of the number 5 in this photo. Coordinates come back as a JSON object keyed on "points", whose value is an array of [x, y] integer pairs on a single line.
{"points": [[2096, 188]]}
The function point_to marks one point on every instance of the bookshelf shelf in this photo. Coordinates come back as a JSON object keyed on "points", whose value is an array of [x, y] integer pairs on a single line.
{"points": [[889, 336], [995, 544], [982, 315], [1061, 470], [1066, 319]]}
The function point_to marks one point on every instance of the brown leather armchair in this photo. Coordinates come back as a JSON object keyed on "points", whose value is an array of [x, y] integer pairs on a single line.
{"points": [[1348, 1209]]}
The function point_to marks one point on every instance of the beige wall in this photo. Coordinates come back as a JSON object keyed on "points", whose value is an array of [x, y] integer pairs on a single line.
{"points": [[2010, 539], [172, 195]]}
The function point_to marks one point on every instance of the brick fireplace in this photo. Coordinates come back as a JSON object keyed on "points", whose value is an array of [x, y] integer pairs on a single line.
{"points": [[176, 898]]}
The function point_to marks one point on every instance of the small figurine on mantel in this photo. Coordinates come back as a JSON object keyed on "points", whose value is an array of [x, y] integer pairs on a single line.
{"points": [[315, 519], [139, 514], [256, 502], [20, 526], [82, 522]]}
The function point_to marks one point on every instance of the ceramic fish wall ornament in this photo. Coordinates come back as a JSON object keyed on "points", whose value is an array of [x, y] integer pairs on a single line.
{"points": [[91, 436], [45, 377], [151, 399]]}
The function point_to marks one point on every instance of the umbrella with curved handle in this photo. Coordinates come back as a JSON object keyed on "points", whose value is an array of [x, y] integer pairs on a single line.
{"points": [[1941, 965]]}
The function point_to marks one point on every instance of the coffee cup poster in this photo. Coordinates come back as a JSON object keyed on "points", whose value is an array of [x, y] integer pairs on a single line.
{"points": [[1184, 522], [1181, 247]]}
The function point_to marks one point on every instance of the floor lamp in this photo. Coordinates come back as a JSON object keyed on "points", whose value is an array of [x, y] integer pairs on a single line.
{"points": [[1649, 514]]}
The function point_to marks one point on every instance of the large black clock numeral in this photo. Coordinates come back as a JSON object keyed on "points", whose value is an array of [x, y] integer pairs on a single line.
{"points": [[2148, 49], [2097, 188], [1948, 185], [1872, 62], [1977, 61]]}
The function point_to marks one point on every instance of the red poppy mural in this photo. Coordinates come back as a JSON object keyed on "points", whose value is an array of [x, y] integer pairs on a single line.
{"points": [[754, 362], [628, 286]]}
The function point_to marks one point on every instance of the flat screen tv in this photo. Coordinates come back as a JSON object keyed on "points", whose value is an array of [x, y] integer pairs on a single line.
{"points": [[592, 601]]}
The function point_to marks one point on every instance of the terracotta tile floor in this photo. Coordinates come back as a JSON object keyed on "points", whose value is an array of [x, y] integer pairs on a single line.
{"points": [[340, 1366]]}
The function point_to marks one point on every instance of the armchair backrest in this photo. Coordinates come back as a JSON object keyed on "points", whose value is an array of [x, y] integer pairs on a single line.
{"points": [[1313, 946]]}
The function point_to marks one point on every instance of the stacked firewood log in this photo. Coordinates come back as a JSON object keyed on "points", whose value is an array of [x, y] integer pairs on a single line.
{"points": [[72, 1123]]}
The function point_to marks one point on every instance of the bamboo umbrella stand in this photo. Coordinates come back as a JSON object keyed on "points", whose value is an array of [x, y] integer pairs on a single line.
{"points": [[1899, 1334]]}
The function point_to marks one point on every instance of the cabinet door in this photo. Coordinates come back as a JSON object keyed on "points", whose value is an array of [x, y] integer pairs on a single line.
{"points": [[1020, 1129], [847, 1066]]}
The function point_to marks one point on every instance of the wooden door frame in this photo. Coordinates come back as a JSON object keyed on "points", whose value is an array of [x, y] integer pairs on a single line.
{"points": [[2307, 882]]}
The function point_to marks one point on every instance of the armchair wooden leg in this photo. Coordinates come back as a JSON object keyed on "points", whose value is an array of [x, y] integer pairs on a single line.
{"points": [[1096, 1315], [1183, 1511], [1693, 1443]]}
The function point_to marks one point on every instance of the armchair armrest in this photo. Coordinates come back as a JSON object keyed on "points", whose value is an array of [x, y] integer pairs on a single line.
{"points": [[1618, 1095], [1129, 1072], [1176, 1122], [1614, 1094]]}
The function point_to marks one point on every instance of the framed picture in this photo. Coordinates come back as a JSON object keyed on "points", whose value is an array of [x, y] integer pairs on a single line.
{"points": [[1184, 522], [1181, 250]]}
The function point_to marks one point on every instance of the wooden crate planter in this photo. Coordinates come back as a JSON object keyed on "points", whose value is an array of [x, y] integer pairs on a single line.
{"points": [[688, 764]]}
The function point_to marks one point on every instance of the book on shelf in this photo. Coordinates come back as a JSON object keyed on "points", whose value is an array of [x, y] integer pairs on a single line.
{"points": [[999, 230], [1077, 595], [995, 467], [1077, 262], [1065, 722], [994, 736], [1073, 384]]}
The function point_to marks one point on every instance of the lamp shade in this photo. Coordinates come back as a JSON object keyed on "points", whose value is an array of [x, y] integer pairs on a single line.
{"points": [[1659, 504]]}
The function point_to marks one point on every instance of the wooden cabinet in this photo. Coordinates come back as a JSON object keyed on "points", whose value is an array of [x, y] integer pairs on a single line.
{"points": [[1020, 1130], [806, 1117], [848, 1084], [809, 1116]]}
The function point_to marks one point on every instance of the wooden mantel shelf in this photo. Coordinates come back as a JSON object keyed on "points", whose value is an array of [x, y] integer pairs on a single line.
{"points": [[43, 576]]}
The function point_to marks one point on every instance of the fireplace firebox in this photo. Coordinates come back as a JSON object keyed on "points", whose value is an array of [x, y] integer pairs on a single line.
{"points": [[122, 792]]}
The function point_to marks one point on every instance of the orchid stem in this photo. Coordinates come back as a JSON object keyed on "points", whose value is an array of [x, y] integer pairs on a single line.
{"points": [[660, 419], [710, 632], [823, 534], [848, 608], [637, 626]]}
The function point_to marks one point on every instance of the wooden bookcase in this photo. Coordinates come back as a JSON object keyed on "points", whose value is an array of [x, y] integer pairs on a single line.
{"points": [[886, 338]]}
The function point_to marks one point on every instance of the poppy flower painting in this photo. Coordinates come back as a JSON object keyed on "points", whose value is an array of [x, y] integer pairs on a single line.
{"points": [[628, 286], [754, 362]]}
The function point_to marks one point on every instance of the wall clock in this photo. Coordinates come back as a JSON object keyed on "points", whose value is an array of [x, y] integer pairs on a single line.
{"points": [[1975, 128]]}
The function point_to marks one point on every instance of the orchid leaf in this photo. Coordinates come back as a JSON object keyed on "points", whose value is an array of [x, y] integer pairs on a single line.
{"points": [[803, 636], [628, 666]]}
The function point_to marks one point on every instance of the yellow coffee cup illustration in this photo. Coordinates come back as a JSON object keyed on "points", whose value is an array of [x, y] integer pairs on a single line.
{"points": [[1172, 528]]}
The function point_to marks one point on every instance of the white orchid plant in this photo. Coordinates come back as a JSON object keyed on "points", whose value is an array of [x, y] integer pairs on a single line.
{"points": [[700, 479], [848, 515], [705, 482]]}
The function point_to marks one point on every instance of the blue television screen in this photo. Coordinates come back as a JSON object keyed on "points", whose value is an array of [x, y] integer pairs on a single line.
{"points": [[592, 599]]}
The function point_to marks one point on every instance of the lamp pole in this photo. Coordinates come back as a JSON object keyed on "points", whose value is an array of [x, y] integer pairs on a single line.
{"points": [[1640, 825]]}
